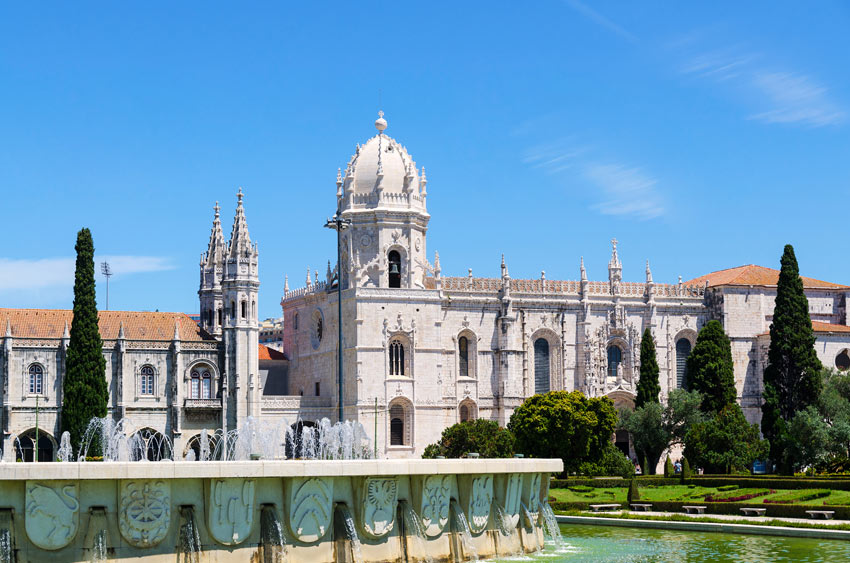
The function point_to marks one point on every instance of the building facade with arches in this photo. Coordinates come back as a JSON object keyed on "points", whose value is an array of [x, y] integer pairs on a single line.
{"points": [[423, 351]]}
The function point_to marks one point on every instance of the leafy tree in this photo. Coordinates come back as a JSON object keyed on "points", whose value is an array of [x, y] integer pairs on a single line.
{"points": [[808, 441], [686, 470], [613, 463], [483, 436], [655, 428], [725, 443], [634, 494], [792, 379], [710, 369], [564, 424], [648, 386], [669, 470], [84, 389]]}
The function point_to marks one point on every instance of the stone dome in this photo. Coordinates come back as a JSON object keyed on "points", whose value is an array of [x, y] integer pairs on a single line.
{"points": [[381, 173]]}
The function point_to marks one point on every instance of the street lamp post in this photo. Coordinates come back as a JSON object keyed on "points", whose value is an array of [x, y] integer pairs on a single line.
{"points": [[339, 224]]}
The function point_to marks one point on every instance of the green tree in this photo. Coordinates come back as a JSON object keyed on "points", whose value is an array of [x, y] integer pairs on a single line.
{"points": [[725, 443], [613, 463], [634, 494], [84, 390], [669, 470], [710, 369], [792, 379], [686, 469], [565, 425], [483, 436], [648, 387], [655, 428]]}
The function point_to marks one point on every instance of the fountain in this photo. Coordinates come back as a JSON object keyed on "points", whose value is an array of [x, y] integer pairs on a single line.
{"points": [[189, 549], [7, 536], [461, 526], [97, 537], [272, 540], [65, 452], [413, 533], [508, 540], [248, 500], [550, 525], [348, 547]]}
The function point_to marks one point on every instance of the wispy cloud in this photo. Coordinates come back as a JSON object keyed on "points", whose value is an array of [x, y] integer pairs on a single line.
{"points": [[628, 191], [796, 98], [619, 188], [599, 19], [41, 273], [785, 96]]}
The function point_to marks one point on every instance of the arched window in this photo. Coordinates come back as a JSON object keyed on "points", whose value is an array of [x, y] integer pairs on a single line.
{"points": [[683, 350], [396, 358], [149, 444], [220, 313], [200, 384], [464, 413], [842, 361], [36, 380], [615, 357], [25, 449], [394, 259], [397, 433], [463, 356], [146, 380], [244, 309], [233, 310], [541, 365]]}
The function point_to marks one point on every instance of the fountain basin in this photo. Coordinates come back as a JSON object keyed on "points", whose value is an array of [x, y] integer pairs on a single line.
{"points": [[145, 506]]}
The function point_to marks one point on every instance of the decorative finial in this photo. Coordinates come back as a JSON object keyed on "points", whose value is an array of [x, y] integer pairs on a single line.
{"points": [[217, 209], [583, 271], [176, 330], [437, 264], [285, 284], [8, 328], [65, 333], [316, 273], [648, 273], [239, 196], [380, 123], [121, 331], [339, 176], [309, 281], [543, 275]]}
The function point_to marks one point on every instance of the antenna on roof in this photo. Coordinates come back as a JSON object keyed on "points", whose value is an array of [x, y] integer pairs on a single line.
{"points": [[107, 273]]}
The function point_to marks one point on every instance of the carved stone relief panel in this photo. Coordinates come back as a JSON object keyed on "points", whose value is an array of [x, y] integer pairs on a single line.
{"points": [[531, 494], [476, 498], [508, 489], [52, 513], [230, 509], [378, 503], [144, 513], [310, 507], [434, 503]]}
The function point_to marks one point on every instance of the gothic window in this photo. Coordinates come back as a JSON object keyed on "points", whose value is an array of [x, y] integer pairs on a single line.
{"points": [[615, 358], [219, 316], [396, 358], [541, 365], [27, 451], [36, 379], [200, 384], [233, 310], [146, 375], [149, 444], [394, 259], [463, 356], [842, 361], [466, 411], [244, 309], [683, 350], [400, 424], [318, 388]]}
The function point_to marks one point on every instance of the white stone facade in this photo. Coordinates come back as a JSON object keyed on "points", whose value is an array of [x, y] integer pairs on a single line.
{"points": [[477, 347]]}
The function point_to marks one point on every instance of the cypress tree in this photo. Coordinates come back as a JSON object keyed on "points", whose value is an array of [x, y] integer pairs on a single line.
{"points": [[84, 389], [648, 386], [710, 369], [686, 469], [669, 470], [792, 376], [633, 494]]}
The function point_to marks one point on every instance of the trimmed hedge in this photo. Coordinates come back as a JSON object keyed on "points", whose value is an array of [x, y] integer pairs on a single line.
{"points": [[773, 510], [738, 495], [801, 495], [710, 481]]}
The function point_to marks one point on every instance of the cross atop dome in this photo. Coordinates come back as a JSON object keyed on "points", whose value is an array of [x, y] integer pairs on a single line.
{"points": [[380, 123]]}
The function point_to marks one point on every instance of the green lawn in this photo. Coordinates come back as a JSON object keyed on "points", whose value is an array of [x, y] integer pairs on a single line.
{"points": [[686, 493]]}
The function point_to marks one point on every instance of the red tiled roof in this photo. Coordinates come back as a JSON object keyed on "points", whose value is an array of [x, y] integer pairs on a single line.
{"points": [[756, 275], [138, 325], [818, 326], [267, 353]]}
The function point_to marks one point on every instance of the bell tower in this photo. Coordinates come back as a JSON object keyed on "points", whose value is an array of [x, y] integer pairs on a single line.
{"points": [[240, 333]]}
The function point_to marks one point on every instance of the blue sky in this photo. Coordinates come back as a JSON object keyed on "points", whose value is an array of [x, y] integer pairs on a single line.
{"points": [[701, 138]]}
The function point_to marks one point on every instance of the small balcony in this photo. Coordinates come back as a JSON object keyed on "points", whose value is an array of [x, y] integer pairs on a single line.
{"points": [[202, 404]]}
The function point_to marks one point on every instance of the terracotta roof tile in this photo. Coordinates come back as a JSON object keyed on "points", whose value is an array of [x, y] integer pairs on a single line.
{"points": [[138, 325], [756, 275], [267, 353], [818, 326]]}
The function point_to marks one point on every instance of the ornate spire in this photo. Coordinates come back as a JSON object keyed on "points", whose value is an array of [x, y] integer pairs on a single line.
{"points": [[504, 268], [176, 330], [66, 334], [309, 280], [648, 273], [240, 240], [437, 269], [615, 269], [9, 328], [215, 248], [285, 285], [583, 271], [615, 259], [380, 125], [121, 331]]}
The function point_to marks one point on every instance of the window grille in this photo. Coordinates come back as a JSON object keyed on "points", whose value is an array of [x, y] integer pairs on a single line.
{"points": [[36, 379], [541, 365], [396, 358], [683, 350]]}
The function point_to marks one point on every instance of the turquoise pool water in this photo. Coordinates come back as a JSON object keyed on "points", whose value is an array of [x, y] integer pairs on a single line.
{"points": [[621, 545]]}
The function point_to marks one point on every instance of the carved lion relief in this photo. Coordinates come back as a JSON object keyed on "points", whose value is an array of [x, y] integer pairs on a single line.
{"points": [[52, 513]]}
